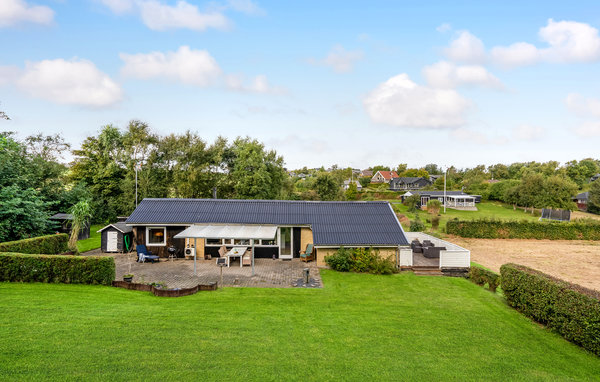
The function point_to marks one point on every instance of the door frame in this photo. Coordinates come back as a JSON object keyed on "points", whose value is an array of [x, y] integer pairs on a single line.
{"points": [[291, 255], [116, 237]]}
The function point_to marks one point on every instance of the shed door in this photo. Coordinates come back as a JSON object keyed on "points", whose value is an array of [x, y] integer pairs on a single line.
{"points": [[111, 241]]}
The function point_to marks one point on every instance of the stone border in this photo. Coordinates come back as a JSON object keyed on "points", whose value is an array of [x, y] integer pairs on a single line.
{"points": [[165, 292]]}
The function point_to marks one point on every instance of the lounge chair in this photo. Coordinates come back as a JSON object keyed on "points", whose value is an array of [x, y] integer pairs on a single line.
{"points": [[433, 252], [247, 258], [308, 254], [144, 254]]}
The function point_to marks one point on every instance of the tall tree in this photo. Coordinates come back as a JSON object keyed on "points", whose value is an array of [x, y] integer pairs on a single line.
{"points": [[327, 188], [594, 197]]}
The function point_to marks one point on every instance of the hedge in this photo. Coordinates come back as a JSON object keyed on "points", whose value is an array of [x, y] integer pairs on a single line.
{"points": [[56, 269], [49, 244], [482, 276], [497, 229], [571, 310]]}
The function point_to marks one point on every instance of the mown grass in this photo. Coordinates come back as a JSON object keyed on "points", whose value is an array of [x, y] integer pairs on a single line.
{"points": [[93, 241], [485, 210], [359, 327]]}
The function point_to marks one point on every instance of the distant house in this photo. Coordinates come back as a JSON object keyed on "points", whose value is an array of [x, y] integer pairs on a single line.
{"points": [[594, 178], [582, 200], [454, 199], [383, 176], [409, 183], [65, 225], [433, 178], [348, 182], [366, 174]]}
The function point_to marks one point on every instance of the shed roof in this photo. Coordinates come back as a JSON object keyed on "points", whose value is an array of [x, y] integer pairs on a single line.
{"points": [[61, 216], [119, 226], [332, 223]]}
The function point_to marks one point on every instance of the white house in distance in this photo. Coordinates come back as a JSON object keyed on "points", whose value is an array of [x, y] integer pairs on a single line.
{"points": [[348, 182], [454, 199], [384, 176]]}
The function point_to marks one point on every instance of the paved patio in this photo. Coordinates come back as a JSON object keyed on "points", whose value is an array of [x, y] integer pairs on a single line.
{"points": [[179, 273]]}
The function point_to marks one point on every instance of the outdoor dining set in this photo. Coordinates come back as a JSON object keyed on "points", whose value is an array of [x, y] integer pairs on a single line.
{"points": [[427, 248]]}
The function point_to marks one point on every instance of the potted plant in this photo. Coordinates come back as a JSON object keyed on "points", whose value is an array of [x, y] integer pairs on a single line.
{"points": [[128, 277]]}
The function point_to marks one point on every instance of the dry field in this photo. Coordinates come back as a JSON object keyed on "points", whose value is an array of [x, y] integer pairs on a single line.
{"points": [[577, 261]]}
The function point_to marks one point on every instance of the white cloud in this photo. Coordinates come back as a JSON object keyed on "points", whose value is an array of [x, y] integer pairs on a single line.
{"points": [[340, 59], [588, 129], [447, 75], [401, 102], [258, 84], [13, 12], [75, 82], [517, 54], [528, 132], [443, 28], [159, 16], [119, 6], [568, 41], [188, 66], [466, 48], [583, 106], [463, 134]]}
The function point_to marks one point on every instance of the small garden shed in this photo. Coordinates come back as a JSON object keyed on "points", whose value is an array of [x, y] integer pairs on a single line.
{"points": [[116, 237], [65, 225]]}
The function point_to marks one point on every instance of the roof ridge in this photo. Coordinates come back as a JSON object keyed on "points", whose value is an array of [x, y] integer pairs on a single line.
{"points": [[271, 200]]}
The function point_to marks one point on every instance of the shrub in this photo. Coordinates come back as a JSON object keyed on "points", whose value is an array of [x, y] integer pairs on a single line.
{"points": [[482, 276], [49, 244], [417, 225], [56, 269], [435, 222], [341, 260], [569, 309], [498, 229], [361, 260]]}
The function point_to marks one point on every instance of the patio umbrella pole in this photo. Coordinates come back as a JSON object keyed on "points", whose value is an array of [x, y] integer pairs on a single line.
{"points": [[252, 258], [195, 249]]}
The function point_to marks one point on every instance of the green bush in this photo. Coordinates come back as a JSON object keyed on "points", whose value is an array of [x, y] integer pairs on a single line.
{"points": [[569, 309], [56, 269], [361, 260], [417, 225], [481, 276], [49, 244], [498, 229]]}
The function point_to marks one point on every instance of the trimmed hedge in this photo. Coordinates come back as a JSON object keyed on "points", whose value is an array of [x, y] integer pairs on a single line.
{"points": [[498, 229], [571, 310], [482, 276], [57, 269], [49, 244], [360, 260]]}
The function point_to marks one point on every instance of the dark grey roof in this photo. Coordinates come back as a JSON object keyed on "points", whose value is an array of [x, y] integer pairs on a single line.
{"points": [[120, 226], [582, 196], [438, 193], [333, 223], [61, 216]]}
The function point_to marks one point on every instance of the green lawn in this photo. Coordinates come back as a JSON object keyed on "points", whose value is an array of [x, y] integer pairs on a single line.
{"points": [[93, 241], [489, 210], [359, 327]]}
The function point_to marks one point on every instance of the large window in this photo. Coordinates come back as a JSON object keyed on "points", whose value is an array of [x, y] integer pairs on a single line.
{"points": [[214, 241], [156, 236]]}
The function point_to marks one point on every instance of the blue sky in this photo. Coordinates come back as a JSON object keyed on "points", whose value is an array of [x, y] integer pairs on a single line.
{"points": [[348, 83]]}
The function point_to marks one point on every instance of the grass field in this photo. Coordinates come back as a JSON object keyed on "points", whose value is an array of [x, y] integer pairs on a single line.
{"points": [[359, 327], [489, 210], [92, 242]]}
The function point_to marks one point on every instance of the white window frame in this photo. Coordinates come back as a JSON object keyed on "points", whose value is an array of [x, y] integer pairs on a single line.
{"points": [[163, 244]]}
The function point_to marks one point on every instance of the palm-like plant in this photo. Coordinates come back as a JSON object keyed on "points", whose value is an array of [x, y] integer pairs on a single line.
{"points": [[82, 212]]}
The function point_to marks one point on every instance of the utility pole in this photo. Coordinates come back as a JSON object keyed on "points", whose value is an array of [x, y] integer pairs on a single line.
{"points": [[445, 175], [138, 166]]}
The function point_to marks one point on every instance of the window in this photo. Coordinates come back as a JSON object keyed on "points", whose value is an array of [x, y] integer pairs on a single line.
{"points": [[241, 242], [268, 242], [156, 236], [213, 241]]}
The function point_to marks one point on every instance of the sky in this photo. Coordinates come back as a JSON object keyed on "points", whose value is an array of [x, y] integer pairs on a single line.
{"points": [[351, 83]]}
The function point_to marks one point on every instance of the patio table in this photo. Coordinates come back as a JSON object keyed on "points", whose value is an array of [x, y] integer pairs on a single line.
{"points": [[236, 252]]}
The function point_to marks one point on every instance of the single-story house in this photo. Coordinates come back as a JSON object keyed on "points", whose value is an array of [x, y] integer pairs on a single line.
{"points": [[347, 183], [454, 199], [274, 228], [65, 225], [409, 183], [116, 237], [582, 200], [383, 176], [594, 178], [435, 177]]}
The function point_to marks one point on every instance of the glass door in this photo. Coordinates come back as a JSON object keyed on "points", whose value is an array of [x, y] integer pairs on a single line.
{"points": [[285, 243]]}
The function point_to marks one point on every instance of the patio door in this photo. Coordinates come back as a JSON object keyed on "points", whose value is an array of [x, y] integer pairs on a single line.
{"points": [[286, 243]]}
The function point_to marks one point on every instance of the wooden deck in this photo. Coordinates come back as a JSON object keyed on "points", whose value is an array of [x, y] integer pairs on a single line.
{"points": [[421, 261]]}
